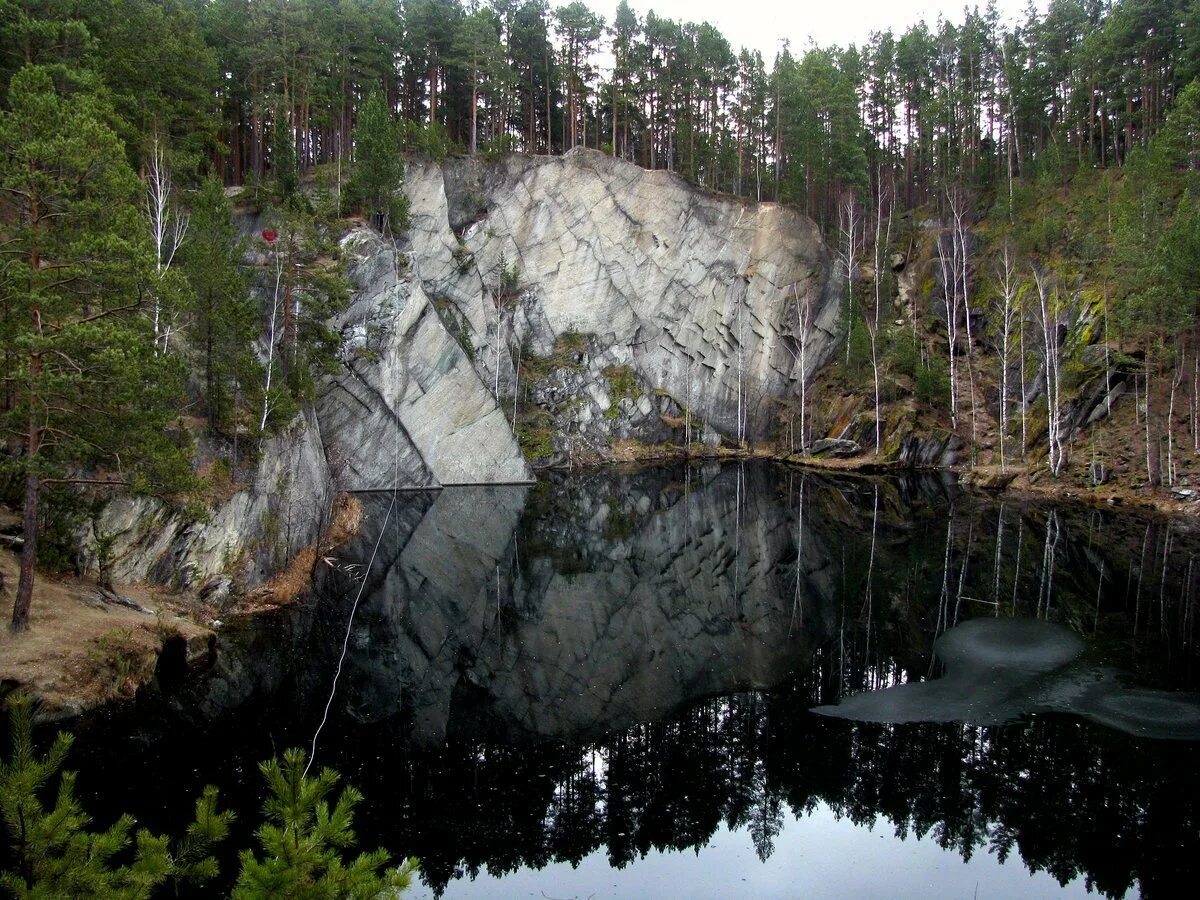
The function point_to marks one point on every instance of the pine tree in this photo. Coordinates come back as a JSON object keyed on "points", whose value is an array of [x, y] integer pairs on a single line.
{"points": [[84, 390], [379, 166], [224, 318], [305, 842], [285, 171], [55, 853]]}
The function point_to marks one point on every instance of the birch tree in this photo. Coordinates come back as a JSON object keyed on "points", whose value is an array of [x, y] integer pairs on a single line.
{"points": [[884, 205], [948, 267], [168, 228], [804, 314], [1048, 314], [961, 253], [849, 228], [1006, 277]]}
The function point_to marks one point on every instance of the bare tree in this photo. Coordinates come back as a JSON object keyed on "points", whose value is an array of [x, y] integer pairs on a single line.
{"points": [[687, 407], [1195, 402], [168, 229], [949, 270], [959, 209], [266, 408], [739, 339], [849, 227], [1009, 290], [1024, 387], [804, 313], [1052, 365], [884, 200], [1176, 381]]}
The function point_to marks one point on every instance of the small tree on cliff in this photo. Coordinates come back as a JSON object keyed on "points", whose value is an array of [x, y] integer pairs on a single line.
{"points": [[379, 166], [85, 399]]}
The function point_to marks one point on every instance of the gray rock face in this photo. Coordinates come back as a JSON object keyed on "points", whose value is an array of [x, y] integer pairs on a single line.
{"points": [[936, 450], [837, 447], [699, 294], [248, 537], [409, 409]]}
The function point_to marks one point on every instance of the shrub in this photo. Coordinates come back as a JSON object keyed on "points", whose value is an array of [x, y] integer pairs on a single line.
{"points": [[304, 841], [933, 383]]}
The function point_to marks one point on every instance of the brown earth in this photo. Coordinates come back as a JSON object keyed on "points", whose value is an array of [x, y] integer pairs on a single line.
{"points": [[79, 654]]}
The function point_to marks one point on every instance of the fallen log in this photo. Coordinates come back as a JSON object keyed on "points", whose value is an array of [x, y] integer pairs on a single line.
{"points": [[106, 596]]}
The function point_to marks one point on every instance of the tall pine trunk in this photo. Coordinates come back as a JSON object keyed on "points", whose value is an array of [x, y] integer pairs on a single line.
{"points": [[29, 524]]}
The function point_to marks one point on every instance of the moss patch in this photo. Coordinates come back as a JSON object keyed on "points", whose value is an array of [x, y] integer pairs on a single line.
{"points": [[458, 326], [535, 434], [624, 382]]}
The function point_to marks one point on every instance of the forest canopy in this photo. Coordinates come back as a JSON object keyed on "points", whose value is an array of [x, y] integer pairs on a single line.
{"points": [[1057, 149]]}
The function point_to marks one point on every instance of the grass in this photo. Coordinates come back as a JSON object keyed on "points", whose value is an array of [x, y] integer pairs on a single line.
{"points": [[565, 354], [457, 325], [121, 662], [295, 579], [624, 382], [535, 433]]}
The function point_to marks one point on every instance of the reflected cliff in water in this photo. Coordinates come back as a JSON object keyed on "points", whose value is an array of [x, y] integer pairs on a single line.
{"points": [[625, 661]]}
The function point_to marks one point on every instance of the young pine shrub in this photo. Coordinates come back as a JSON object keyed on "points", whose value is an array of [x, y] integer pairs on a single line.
{"points": [[306, 842], [54, 852]]}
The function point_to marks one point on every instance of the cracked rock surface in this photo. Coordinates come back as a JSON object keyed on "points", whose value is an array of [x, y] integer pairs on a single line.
{"points": [[246, 538], [408, 409], [698, 294]]}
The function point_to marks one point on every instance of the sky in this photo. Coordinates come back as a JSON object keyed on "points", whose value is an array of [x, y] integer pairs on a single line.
{"points": [[759, 24]]}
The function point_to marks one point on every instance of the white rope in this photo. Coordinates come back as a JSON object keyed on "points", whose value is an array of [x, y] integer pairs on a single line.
{"points": [[346, 640], [312, 755]]}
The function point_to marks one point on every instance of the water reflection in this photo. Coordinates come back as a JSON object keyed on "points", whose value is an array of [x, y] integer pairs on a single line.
{"points": [[625, 661]]}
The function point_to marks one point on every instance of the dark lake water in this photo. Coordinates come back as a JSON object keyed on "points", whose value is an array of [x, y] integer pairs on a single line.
{"points": [[603, 686]]}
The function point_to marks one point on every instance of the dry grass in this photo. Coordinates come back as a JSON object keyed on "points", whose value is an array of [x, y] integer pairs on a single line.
{"points": [[220, 485], [75, 655], [120, 662], [345, 521], [295, 579]]}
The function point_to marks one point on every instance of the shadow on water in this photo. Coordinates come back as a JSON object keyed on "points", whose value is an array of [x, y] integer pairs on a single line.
{"points": [[625, 661]]}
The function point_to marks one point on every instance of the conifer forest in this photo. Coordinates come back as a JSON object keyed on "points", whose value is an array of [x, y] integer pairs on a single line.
{"points": [[436, 369]]}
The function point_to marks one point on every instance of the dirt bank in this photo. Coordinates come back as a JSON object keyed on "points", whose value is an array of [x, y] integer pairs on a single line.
{"points": [[81, 652]]}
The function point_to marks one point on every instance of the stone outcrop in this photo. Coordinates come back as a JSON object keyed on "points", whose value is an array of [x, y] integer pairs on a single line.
{"points": [[697, 295], [685, 306], [409, 409], [246, 538]]}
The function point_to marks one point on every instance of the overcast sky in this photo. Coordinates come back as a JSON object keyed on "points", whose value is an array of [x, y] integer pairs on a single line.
{"points": [[761, 23]]}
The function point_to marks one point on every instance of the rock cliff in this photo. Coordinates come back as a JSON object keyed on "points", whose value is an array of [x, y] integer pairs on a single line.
{"points": [[247, 538], [409, 409], [671, 300], [634, 305]]}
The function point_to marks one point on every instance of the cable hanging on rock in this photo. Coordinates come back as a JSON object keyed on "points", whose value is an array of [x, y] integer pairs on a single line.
{"points": [[312, 754]]}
